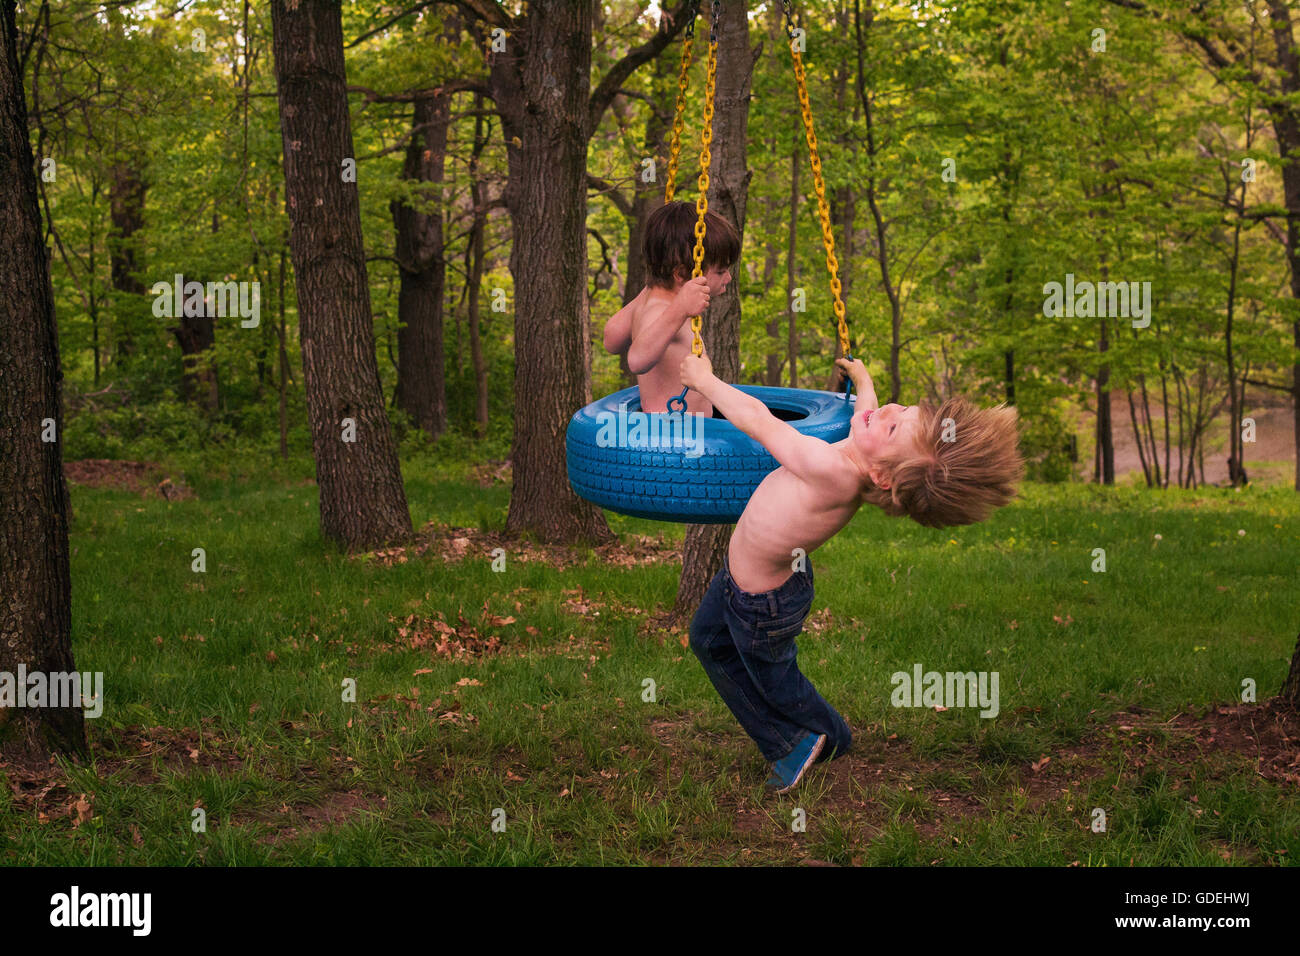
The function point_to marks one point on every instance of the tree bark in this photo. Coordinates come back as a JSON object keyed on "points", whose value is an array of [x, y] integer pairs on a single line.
{"points": [[422, 269], [540, 84], [648, 196], [35, 585], [877, 216], [194, 334], [706, 545], [1289, 695], [541, 87], [283, 383], [126, 194], [362, 501], [475, 272], [1286, 125], [1105, 473]]}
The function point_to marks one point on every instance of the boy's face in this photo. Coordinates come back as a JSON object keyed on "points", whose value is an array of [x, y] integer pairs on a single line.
{"points": [[718, 277], [887, 431]]}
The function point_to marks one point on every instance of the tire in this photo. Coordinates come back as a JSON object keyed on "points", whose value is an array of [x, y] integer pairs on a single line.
{"points": [[673, 475]]}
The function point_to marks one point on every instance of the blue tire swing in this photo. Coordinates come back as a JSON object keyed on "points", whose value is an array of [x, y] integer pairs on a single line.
{"points": [[654, 467]]}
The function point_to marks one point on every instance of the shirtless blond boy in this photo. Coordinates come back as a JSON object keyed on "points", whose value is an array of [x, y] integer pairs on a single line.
{"points": [[942, 466], [654, 329]]}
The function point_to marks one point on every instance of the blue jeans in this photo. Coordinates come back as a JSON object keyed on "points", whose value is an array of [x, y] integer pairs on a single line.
{"points": [[746, 643]]}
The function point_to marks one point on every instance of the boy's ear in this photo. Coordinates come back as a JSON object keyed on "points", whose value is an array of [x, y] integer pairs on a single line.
{"points": [[877, 476]]}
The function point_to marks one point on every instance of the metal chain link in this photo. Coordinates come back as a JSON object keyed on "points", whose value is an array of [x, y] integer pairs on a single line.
{"points": [[706, 157]]}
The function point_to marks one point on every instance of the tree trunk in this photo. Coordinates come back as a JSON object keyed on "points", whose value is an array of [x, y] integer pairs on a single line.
{"points": [[126, 195], [283, 385], [773, 363], [1286, 126], [772, 358], [845, 207], [475, 273], [728, 196], [35, 586], [194, 334], [362, 501], [1164, 405], [1137, 438], [541, 89], [421, 382], [1289, 695], [1105, 431], [873, 201], [649, 196]]}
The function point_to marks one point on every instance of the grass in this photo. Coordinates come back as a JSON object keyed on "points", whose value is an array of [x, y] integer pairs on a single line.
{"points": [[225, 691]]}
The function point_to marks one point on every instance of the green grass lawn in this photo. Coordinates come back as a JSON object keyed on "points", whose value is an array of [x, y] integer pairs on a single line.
{"points": [[225, 690]]}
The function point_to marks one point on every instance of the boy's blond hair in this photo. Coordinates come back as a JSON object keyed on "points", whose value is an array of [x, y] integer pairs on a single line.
{"points": [[940, 483]]}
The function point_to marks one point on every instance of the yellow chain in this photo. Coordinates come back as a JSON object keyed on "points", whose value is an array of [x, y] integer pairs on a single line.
{"points": [[675, 149], [702, 201], [823, 210]]}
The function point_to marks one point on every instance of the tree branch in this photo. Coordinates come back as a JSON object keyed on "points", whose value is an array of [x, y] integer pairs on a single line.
{"points": [[609, 189], [670, 24], [486, 11], [463, 84], [389, 22], [1281, 388]]}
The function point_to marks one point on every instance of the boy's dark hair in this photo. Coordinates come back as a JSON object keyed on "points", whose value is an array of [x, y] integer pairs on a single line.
{"points": [[669, 243]]}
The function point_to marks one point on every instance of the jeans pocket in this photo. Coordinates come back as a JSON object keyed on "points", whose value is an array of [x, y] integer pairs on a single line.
{"points": [[773, 640]]}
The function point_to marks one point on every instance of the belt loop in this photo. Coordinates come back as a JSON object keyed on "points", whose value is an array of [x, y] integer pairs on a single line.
{"points": [[772, 607]]}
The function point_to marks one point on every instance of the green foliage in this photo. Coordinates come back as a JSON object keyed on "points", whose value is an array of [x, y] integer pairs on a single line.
{"points": [[1003, 150], [1045, 442]]}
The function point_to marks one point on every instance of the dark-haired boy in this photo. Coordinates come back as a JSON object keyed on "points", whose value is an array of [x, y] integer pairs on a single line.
{"points": [[654, 329]]}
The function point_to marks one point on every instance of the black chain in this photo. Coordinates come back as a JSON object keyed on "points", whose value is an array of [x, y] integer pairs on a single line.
{"points": [[789, 18], [692, 11], [717, 18]]}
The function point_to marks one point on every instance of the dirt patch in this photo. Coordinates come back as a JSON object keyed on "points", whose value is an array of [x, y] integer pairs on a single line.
{"points": [[1267, 734], [452, 545], [292, 821], [43, 791], [851, 787], [140, 752], [145, 478]]}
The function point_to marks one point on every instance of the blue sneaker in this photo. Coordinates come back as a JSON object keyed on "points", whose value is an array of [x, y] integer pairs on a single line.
{"points": [[789, 770]]}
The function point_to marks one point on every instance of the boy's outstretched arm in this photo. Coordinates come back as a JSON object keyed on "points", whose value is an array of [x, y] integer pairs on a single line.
{"points": [[659, 324], [810, 458]]}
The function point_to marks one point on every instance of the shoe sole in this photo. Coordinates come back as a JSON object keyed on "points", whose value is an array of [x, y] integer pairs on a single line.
{"points": [[812, 757]]}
